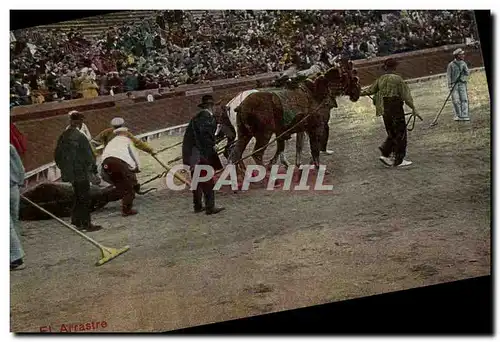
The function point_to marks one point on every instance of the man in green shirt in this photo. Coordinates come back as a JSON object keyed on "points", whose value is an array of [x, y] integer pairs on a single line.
{"points": [[390, 94]]}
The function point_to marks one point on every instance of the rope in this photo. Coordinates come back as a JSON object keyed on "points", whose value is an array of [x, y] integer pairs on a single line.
{"points": [[161, 175], [412, 116], [164, 173], [220, 150], [168, 147], [434, 122]]}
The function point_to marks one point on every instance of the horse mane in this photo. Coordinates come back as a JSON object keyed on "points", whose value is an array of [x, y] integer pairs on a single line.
{"points": [[333, 74], [290, 83]]}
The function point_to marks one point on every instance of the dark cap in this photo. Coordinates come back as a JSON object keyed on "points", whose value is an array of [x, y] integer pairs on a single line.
{"points": [[390, 63], [76, 115], [206, 100]]}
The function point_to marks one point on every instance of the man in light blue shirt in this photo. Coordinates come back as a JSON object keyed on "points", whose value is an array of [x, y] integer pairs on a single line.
{"points": [[458, 72], [16, 180]]}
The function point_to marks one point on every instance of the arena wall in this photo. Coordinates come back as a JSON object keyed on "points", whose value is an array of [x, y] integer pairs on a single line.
{"points": [[42, 124]]}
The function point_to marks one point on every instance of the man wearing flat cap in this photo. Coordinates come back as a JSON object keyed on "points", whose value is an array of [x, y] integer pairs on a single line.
{"points": [[391, 93], [104, 137], [76, 160], [456, 76], [120, 163], [83, 128], [198, 148]]}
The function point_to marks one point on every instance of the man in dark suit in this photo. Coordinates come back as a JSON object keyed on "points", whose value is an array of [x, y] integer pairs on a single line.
{"points": [[326, 135], [198, 148], [75, 159]]}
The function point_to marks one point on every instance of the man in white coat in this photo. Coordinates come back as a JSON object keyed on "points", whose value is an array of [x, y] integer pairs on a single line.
{"points": [[120, 163]]}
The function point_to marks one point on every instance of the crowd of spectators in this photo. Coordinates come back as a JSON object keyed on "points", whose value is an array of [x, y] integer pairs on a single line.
{"points": [[173, 48]]}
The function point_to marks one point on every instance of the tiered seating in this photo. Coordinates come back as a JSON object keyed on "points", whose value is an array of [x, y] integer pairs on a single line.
{"points": [[96, 26]]}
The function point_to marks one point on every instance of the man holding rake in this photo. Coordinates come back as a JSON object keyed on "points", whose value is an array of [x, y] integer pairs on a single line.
{"points": [[456, 75]]}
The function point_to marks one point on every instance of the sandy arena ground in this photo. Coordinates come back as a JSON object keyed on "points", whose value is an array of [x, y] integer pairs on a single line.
{"points": [[379, 230]]}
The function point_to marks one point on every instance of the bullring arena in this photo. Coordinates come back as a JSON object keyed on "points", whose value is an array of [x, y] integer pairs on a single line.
{"points": [[379, 230]]}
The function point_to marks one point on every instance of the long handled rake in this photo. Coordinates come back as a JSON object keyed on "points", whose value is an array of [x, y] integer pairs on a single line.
{"points": [[179, 177], [163, 174], [169, 147], [434, 122], [108, 253]]}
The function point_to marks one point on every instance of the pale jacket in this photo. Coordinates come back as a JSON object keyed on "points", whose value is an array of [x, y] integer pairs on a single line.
{"points": [[123, 148], [453, 72]]}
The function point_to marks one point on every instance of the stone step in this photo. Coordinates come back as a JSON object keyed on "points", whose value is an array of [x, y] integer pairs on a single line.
{"points": [[95, 26]]}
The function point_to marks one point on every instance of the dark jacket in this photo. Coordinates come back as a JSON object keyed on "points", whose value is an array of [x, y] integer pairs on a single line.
{"points": [[198, 146], [20, 90], [74, 156], [131, 83], [160, 20]]}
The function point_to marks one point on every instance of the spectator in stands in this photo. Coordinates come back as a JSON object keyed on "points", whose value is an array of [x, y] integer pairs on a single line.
{"points": [[114, 83], [21, 90], [131, 82], [88, 87], [183, 48]]}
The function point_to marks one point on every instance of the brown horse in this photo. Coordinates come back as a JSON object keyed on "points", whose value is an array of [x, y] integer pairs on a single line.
{"points": [[301, 110]]}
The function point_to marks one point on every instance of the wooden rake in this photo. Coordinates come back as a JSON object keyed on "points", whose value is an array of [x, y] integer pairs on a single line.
{"points": [[167, 168], [107, 253]]}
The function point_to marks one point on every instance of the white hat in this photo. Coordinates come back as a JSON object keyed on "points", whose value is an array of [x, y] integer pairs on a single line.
{"points": [[121, 129], [458, 51], [117, 122]]}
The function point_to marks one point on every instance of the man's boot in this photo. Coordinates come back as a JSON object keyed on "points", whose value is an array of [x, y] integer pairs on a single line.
{"points": [[210, 208], [214, 210], [128, 211], [137, 188], [90, 228], [197, 202]]}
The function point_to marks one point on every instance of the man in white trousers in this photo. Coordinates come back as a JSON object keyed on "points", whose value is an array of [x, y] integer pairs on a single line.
{"points": [[456, 75]]}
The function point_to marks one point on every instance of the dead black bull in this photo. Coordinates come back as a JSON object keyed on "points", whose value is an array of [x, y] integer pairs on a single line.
{"points": [[57, 198]]}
